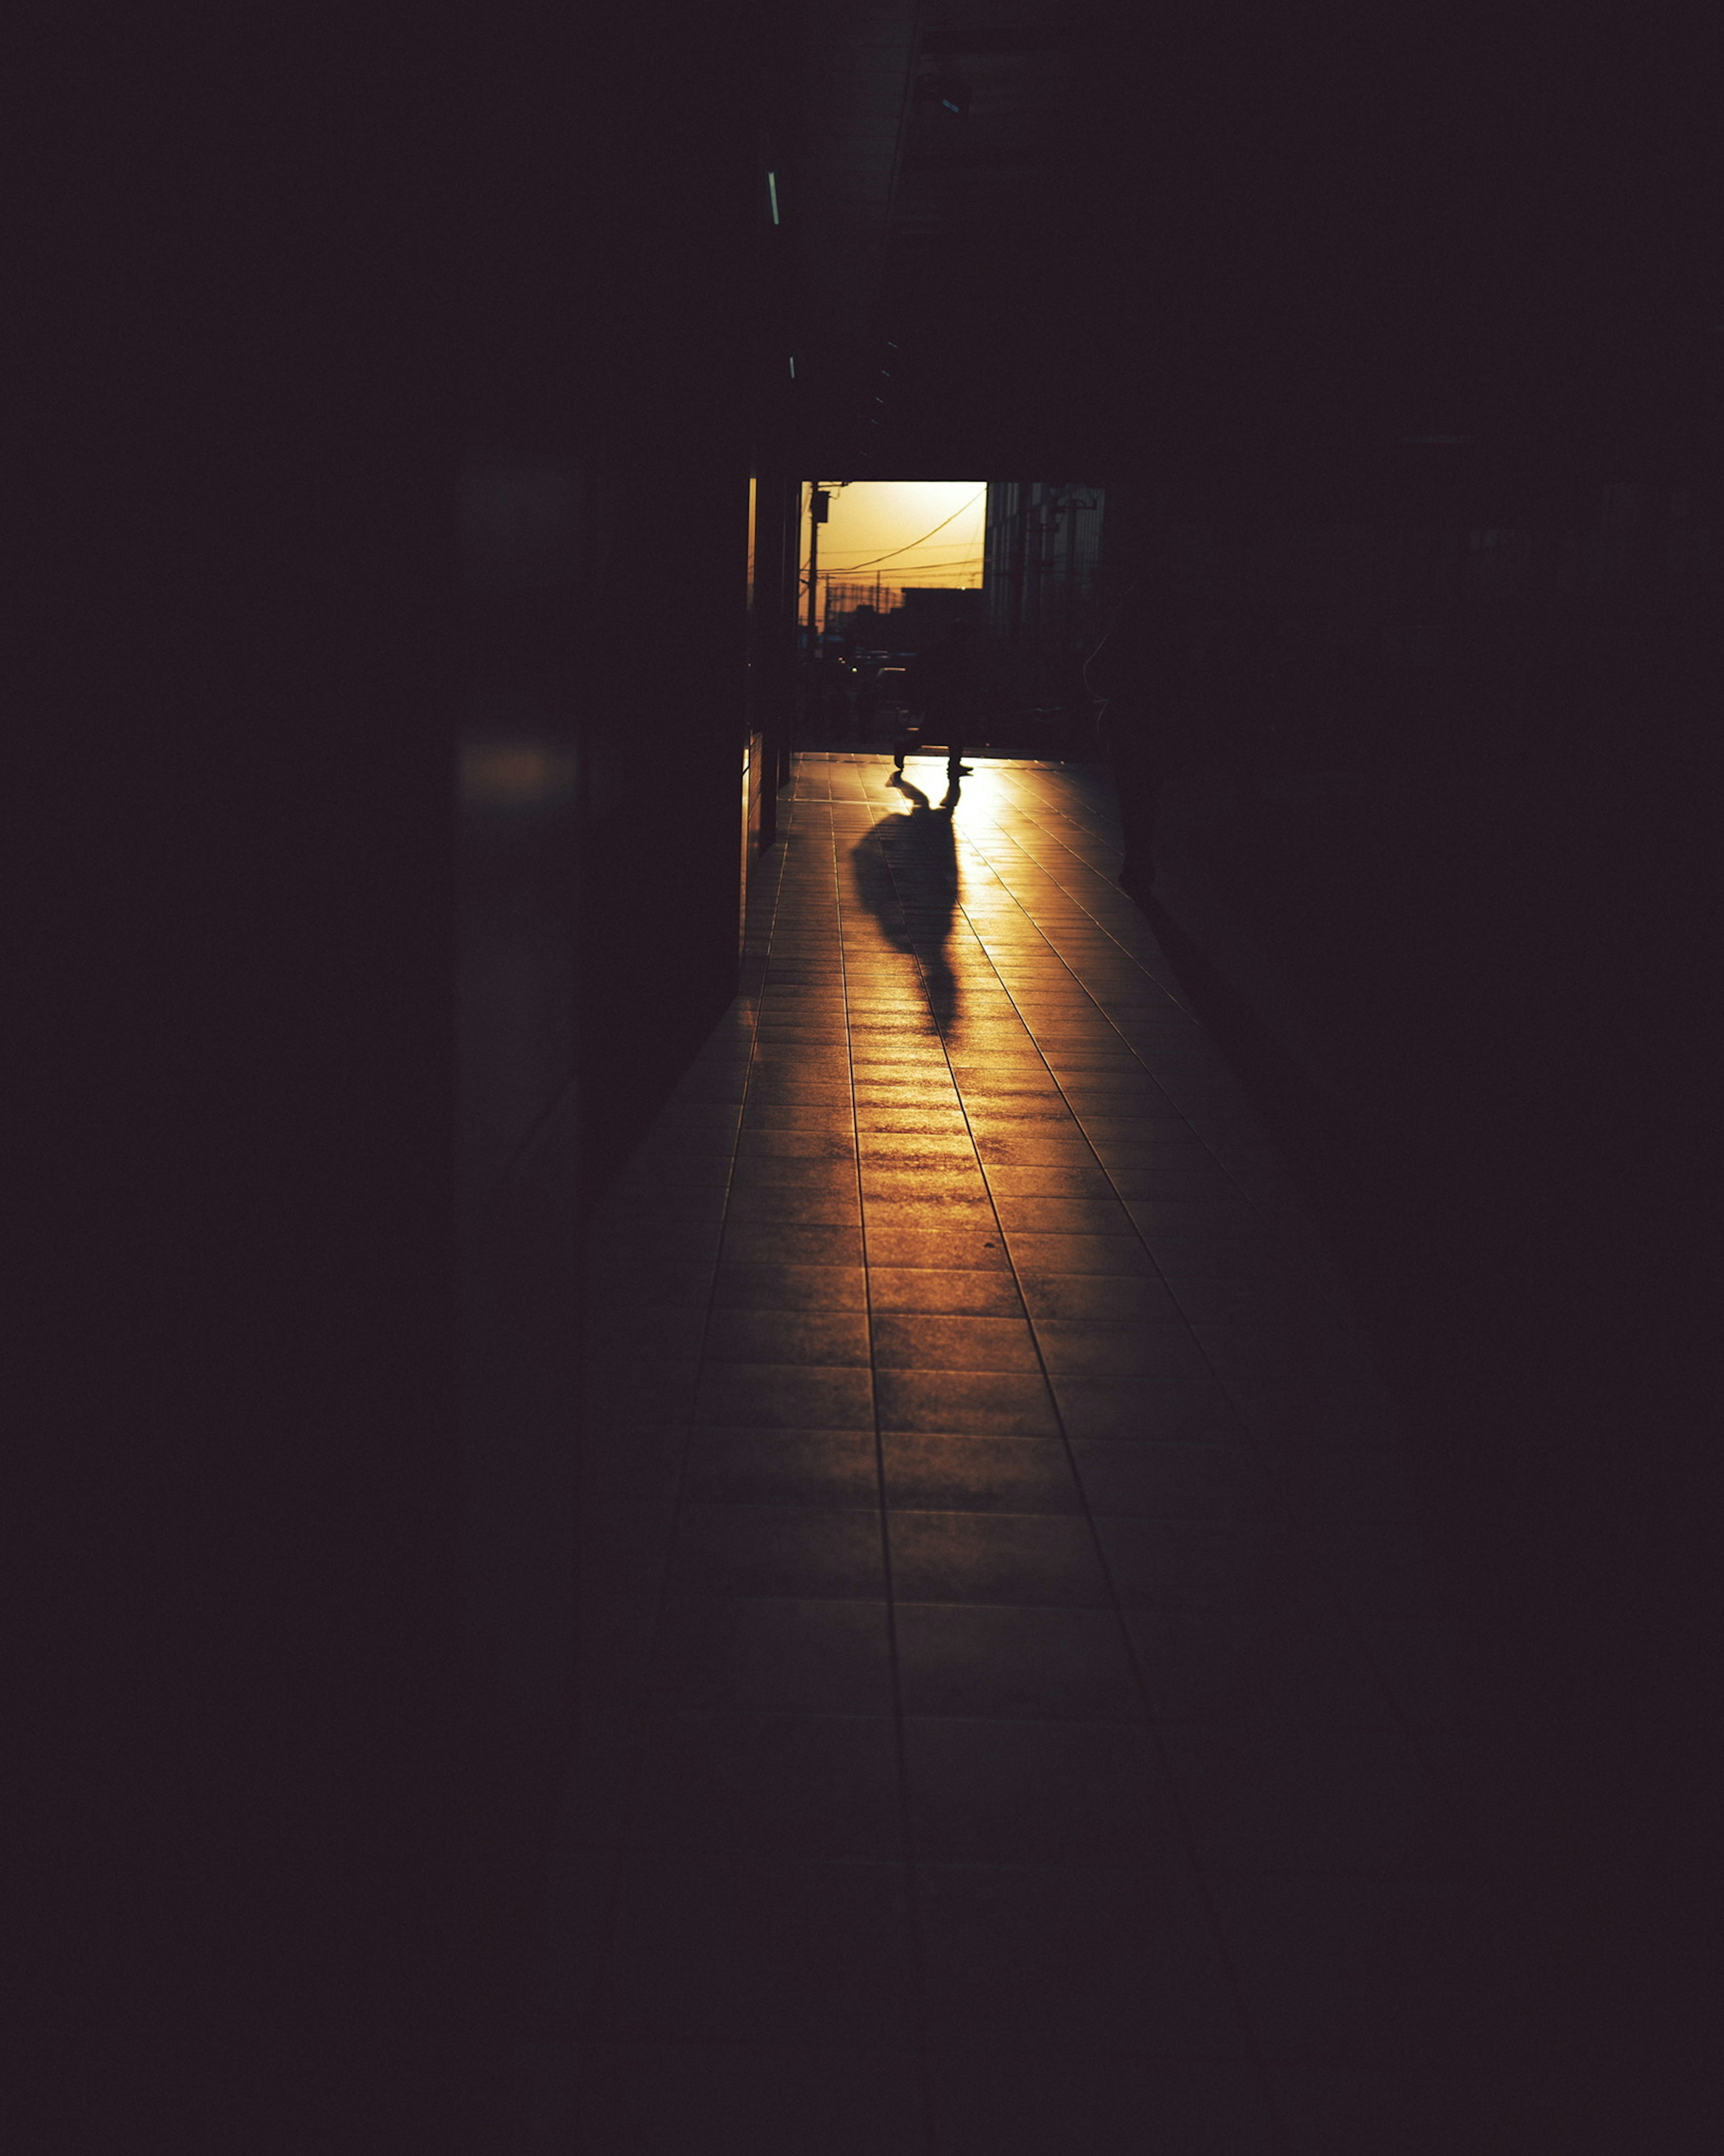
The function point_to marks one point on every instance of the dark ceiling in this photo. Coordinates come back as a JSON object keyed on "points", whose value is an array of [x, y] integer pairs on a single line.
{"points": [[1034, 235]]}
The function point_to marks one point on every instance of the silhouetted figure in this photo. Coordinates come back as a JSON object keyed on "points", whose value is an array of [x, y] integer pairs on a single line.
{"points": [[947, 802], [946, 687]]}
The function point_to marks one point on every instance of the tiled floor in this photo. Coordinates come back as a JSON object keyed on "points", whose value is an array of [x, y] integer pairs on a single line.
{"points": [[1011, 1654]]}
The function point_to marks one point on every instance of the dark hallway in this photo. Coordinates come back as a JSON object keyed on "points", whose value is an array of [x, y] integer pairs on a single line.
{"points": [[1021, 1692], [734, 1453]]}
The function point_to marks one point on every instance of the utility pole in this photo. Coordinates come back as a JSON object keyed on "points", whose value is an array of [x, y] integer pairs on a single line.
{"points": [[819, 502]]}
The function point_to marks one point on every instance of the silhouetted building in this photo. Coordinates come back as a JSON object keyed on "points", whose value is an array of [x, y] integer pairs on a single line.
{"points": [[1042, 550], [869, 614], [927, 609]]}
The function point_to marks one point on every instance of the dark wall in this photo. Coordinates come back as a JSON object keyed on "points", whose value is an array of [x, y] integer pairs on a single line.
{"points": [[241, 913], [384, 573], [1452, 924], [1293, 241], [773, 673]]}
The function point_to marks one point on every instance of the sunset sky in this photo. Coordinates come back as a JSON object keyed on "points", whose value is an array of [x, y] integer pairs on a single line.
{"points": [[874, 517]]}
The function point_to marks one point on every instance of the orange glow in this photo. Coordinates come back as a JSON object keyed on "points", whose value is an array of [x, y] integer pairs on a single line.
{"points": [[516, 775], [876, 517]]}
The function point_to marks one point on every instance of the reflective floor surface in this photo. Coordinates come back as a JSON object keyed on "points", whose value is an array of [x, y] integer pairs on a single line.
{"points": [[1016, 1679]]}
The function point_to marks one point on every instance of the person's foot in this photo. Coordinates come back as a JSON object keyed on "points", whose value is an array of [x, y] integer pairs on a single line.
{"points": [[959, 771]]}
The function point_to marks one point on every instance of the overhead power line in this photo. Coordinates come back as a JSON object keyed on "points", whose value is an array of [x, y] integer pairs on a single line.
{"points": [[910, 569], [917, 577], [964, 554], [924, 538]]}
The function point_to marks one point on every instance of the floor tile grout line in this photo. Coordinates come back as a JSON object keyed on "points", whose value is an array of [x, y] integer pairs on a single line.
{"points": [[1282, 1503], [1341, 1607], [1277, 1233], [917, 1940], [1197, 1872], [1287, 1514]]}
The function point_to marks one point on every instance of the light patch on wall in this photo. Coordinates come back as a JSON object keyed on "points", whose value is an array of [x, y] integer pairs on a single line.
{"points": [[516, 775]]}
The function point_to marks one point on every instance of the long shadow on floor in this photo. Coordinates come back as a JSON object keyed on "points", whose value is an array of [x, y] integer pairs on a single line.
{"points": [[904, 872]]}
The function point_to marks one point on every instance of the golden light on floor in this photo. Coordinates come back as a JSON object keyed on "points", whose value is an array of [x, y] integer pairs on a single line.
{"points": [[973, 1661]]}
